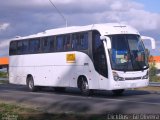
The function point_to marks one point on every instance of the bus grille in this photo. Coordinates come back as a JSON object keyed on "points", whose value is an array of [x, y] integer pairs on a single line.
{"points": [[132, 78]]}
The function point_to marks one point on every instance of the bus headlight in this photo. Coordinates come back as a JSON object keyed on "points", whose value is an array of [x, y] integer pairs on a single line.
{"points": [[116, 77], [146, 76]]}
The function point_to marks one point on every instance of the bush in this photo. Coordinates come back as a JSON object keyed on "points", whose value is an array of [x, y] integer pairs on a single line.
{"points": [[152, 73], [155, 79], [3, 74], [152, 69]]}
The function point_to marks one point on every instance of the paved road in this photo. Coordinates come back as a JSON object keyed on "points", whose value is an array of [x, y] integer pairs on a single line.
{"points": [[71, 101]]}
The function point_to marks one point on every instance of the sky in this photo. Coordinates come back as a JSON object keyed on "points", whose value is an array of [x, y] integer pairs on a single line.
{"points": [[25, 17]]}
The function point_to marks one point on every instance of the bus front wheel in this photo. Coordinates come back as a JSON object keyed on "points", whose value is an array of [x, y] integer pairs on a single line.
{"points": [[83, 86], [118, 92], [30, 84]]}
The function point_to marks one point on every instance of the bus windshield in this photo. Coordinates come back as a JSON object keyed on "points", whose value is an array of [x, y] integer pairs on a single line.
{"points": [[127, 53]]}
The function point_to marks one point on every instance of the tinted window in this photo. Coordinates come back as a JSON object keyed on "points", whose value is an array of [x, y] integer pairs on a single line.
{"points": [[84, 40], [98, 42], [80, 41], [77, 41], [13, 48], [59, 43], [99, 57], [67, 42], [19, 47], [25, 45], [74, 41], [127, 53], [51, 43], [34, 46], [48, 44], [45, 44]]}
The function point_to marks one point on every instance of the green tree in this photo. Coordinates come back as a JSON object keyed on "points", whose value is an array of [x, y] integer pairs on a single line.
{"points": [[153, 70]]}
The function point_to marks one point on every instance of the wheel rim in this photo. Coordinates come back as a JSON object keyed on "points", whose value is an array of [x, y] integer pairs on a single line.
{"points": [[31, 84], [84, 86]]}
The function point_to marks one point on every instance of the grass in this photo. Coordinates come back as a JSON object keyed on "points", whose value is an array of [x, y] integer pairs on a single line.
{"points": [[149, 88], [14, 112], [155, 78], [4, 81], [3, 74]]}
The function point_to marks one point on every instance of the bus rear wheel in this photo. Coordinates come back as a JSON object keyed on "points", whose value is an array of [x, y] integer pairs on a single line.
{"points": [[118, 92], [84, 87], [30, 84]]}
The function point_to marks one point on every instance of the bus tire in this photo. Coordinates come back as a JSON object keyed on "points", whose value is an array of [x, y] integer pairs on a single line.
{"points": [[83, 86], [118, 92], [30, 84]]}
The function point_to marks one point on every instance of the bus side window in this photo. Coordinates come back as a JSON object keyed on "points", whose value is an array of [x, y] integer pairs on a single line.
{"points": [[13, 48], [51, 43], [80, 41], [34, 46], [25, 45], [38, 46], [45, 44], [67, 42], [74, 41], [99, 57], [83, 41], [19, 47], [59, 43], [31, 46]]}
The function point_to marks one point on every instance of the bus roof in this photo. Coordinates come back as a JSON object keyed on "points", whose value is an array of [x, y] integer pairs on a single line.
{"points": [[104, 29]]}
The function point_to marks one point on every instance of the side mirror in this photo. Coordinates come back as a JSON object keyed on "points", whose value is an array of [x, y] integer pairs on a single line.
{"points": [[153, 42], [107, 40], [103, 37]]}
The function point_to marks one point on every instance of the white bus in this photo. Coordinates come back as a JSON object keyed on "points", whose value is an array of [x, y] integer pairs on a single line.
{"points": [[108, 56]]}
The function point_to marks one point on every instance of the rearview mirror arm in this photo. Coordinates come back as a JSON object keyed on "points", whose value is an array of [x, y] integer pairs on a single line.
{"points": [[153, 43]]}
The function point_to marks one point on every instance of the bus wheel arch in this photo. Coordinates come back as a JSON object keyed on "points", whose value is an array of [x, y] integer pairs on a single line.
{"points": [[83, 85], [30, 83]]}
